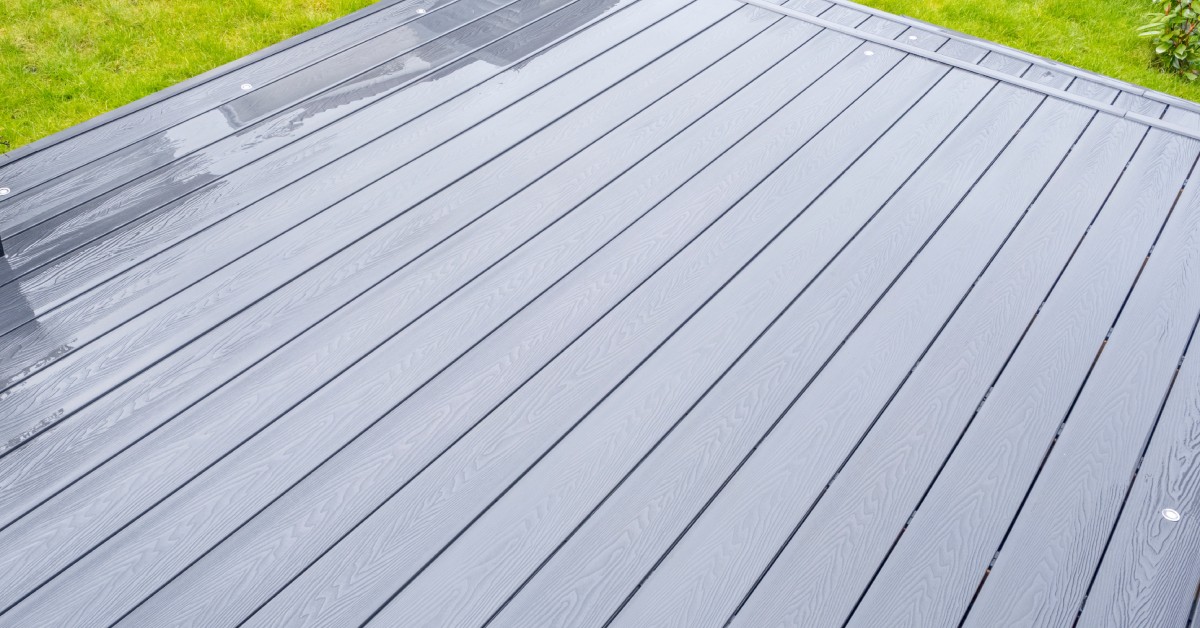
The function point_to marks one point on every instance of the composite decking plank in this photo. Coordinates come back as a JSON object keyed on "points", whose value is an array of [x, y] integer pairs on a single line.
{"points": [[422, 515], [477, 199], [202, 149], [73, 382], [1049, 556], [247, 212], [702, 579], [1149, 574], [442, 335], [105, 138], [472, 577], [931, 575], [591, 575]]}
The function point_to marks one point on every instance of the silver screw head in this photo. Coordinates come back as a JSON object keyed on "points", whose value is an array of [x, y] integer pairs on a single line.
{"points": [[247, 87], [4, 191], [1170, 514], [912, 37], [420, 11], [868, 52]]}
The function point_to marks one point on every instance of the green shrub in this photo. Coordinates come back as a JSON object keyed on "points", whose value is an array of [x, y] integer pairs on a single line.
{"points": [[1173, 30]]}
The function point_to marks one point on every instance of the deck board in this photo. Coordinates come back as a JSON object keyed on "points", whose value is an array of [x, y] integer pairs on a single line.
{"points": [[591, 312], [934, 570]]}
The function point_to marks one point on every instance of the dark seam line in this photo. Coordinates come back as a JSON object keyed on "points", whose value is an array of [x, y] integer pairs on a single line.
{"points": [[200, 80], [1079, 392], [654, 447], [23, 227], [854, 449], [1003, 367], [42, 428], [335, 376], [662, 557], [430, 379], [1146, 443], [640, 363], [396, 5], [16, 379], [1195, 601]]}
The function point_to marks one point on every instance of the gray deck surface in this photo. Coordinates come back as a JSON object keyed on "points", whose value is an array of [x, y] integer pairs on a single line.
{"points": [[607, 312]]}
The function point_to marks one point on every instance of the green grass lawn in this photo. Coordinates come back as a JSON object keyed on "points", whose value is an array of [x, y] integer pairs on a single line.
{"points": [[64, 61], [1097, 35]]}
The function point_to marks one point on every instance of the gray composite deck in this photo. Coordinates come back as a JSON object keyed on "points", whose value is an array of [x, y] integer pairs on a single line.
{"points": [[607, 312]]}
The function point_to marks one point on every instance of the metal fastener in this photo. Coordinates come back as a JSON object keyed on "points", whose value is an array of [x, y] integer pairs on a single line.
{"points": [[912, 37], [247, 87], [1170, 514], [4, 191], [868, 52], [420, 11]]}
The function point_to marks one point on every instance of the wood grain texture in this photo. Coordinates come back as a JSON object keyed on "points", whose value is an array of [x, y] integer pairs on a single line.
{"points": [[1149, 574], [405, 295], [243, 210], [171, 163], [1048, 559], [377, 212], [931, 575], [478, 571], [101, 140], [693, 587], [703, 558], [589, 577]]}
